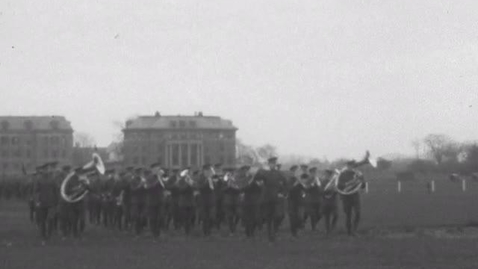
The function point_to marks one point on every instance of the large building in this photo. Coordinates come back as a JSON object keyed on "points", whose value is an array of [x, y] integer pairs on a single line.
{"points": [[32, 141], [179, 141]]}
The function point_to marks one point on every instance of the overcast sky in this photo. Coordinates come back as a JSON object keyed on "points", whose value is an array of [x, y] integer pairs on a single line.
{"points": [[324, 78]]}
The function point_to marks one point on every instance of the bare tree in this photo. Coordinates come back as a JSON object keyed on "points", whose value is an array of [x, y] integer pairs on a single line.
{"points": [[441, 147], [83, 140], [267, 151], [416, 144]]}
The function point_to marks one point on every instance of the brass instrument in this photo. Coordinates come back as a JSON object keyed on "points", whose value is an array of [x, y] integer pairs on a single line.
{"points": [[79, 191]]}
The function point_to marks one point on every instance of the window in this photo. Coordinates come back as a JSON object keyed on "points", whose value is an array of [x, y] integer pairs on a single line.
{"points": [[45, 153], [175, 154], [172, 124], [5, 166], [184, 136], [14, 140], [144, 160], [63, 154], [174, 136], [54, 154], [192, 124], [230, 159], [54, 124], [16, 166], [17, 154], [5, 153], [55, 140], [207, 159], [28, 124], [230, 135], [28, 154], [182, 124], [135, 160], [45, 140], [193, 135], [5, 125], [5, 140], [221, 147], [220, 135], [222, 159], [184, 155]]}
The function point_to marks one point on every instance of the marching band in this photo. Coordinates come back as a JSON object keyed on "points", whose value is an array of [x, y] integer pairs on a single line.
{"points": [[138, 198]]}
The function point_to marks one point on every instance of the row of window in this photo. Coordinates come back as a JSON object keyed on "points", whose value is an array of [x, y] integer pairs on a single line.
{"points": [[182, 124], [160, 148], [180, 135], [28, 154], [46, 140], [28, 124], [143, 160]]}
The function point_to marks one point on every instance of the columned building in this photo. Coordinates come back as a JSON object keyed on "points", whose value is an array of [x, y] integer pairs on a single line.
{"points": [[179, 141], [32, 141]]}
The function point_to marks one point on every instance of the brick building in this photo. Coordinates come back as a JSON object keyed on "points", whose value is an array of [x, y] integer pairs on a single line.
{"points": [[32, 141], [179, 141]]}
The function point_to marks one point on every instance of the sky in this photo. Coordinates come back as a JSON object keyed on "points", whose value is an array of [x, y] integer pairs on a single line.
{"points": [[321, 78]]}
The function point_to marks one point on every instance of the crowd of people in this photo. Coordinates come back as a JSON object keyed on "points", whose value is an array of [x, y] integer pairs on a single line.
{"points": [[155, 199]]}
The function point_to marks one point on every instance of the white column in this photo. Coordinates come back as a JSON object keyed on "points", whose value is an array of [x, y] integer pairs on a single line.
{"points": [[366, 187], [433, 185], [463, 184], [399, 186]]}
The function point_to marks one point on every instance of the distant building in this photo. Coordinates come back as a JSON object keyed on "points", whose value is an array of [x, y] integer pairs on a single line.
{"points": [[179, 141], [32, 141]]}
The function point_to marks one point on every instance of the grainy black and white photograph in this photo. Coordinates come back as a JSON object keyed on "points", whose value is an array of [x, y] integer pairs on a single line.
{"points": [[238, 134]]}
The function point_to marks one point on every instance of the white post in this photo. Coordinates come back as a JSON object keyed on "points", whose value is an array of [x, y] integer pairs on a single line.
{"points": [[399, 186], [366, 187], [433, 185], [463, 184]]}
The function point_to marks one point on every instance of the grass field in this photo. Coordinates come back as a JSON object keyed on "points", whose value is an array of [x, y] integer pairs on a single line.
{"points": [[407, 230]]}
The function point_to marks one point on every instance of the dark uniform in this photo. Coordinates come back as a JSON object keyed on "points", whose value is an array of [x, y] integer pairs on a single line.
{"points": [[138, 203], [351, 202], [154, 202], [46, 198], [231, 194], [185, 203], [218, 195], [272, 196], [251, 203], [207, 200], [312, 199], [77, 210], [294, 205], [329, 207]]}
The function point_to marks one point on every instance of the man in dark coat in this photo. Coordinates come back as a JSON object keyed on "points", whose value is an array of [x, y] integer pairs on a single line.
{"points": [[231, 193], [154, 198], [274, 190], [46, 198], [208, 199], [251, 203], [312, 199]]}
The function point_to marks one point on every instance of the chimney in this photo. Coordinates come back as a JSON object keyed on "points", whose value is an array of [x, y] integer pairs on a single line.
{"points": [[157, 114], [200, 114]]}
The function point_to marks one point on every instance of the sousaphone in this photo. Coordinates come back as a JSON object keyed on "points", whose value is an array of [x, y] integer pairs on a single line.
{"points": [[347, 181], [74, 186]]}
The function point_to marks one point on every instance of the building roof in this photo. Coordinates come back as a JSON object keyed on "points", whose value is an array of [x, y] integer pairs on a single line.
{"points": [[174, 122], [34, 123]]}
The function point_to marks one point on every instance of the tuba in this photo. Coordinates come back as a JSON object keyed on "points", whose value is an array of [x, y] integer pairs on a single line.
{"points": [[349, 185], [75, 191]]}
